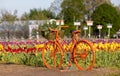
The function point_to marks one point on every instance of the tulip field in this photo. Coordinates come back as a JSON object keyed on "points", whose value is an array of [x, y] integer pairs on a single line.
{"points": [[107, 53]]}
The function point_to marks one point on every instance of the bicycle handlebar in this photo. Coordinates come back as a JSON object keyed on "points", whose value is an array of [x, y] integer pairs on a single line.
{"points": [[63, 26], [59, 28], [52, 30]]}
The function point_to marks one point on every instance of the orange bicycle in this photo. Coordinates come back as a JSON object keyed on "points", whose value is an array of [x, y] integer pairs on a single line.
{"points": [[80, 52]]}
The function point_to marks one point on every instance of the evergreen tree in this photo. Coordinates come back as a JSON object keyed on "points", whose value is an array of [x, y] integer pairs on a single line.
{"points": [[105, 14]]}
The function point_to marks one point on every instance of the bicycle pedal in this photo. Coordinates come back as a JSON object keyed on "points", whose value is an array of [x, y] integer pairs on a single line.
{"points": [[69, 65], [70, 68]]}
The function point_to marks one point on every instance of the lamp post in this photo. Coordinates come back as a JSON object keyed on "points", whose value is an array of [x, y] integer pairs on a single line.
{"points": [[77, 24], [85, 28], [37, 35], [109, 26], [118, 33], [99, 27], [59, 22], [89, 24]]}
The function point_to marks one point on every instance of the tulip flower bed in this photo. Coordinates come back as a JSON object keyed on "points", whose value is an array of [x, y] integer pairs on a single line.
{"points": [[107, 53], [29, 53]]}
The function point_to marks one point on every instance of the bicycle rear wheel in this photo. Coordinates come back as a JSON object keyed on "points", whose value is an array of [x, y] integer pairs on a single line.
{"points": [[84, 55], [52, 55]]}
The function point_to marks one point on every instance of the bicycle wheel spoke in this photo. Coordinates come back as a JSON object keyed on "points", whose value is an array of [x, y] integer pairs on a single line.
{"points": [[84, 56], [52, 56]]}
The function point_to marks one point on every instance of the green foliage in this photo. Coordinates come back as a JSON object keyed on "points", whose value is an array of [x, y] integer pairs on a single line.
{"points": [[45, 32], [116, 74], [37, 14], [104, 14], [8, 16], [72, 10], [22, 58], [103, 59], [107, 59], [48, 14], [68, 31]]}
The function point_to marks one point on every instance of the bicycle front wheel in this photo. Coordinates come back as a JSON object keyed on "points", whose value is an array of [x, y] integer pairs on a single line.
{"points": [[84, 55], [52, 55]]}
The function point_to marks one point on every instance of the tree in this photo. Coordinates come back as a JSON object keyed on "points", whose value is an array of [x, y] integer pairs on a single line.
{"points": [[104, 14], [55, 7], [8, 16], [8, 19], [90, 5], [48, 14], [25, 16], [118, 8], [38, 14], [72, 10]]}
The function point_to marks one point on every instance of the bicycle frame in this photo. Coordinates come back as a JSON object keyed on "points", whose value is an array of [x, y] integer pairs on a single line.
{"points": [[73, 54], [59, 43]]}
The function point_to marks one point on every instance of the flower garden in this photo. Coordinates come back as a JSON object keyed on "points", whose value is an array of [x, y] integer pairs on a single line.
{"points": [[29, 53]]}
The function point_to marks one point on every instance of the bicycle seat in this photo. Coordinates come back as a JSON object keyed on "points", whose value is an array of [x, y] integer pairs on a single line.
{"points": [[76, 32]]}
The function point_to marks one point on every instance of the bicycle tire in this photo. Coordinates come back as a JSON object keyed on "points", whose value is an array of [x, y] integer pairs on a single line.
{"points": [[52, 55], [81, 56]]}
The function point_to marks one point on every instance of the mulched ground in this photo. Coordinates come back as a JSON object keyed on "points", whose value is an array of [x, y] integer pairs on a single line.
{"points": [[21, 70]]}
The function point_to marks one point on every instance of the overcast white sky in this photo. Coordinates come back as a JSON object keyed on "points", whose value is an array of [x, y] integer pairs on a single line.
{"points": [[25, 5], [116, 2]]}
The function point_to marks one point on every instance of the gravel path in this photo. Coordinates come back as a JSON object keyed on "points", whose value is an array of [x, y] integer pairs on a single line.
{"points": [[21, 70]]}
